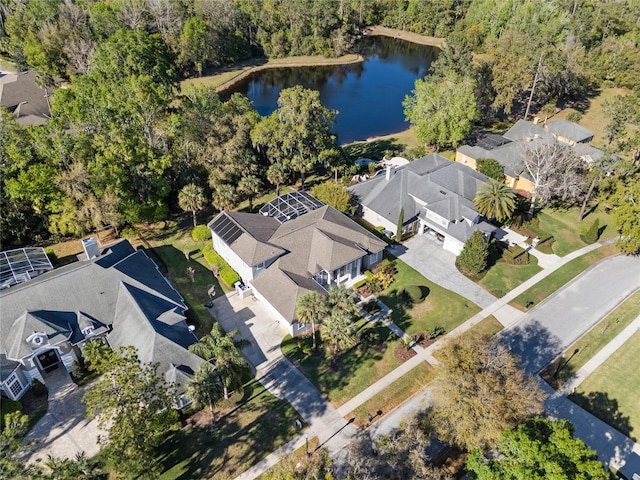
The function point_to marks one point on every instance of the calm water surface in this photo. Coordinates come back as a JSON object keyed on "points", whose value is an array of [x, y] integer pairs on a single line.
{"points": [[367, 95]]}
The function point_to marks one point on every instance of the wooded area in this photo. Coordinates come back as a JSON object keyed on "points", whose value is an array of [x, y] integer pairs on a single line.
{"points": [[123, 141]]}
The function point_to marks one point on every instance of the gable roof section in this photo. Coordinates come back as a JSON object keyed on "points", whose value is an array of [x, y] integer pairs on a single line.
{"points": [[55, 325], [137, 323], [570, 130], [247, 234], [7, 367]]}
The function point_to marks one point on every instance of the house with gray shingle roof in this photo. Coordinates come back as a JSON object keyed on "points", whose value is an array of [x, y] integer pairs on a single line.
{"points": [[306, 253], [509, 149], [117, 294], [435, 195]]}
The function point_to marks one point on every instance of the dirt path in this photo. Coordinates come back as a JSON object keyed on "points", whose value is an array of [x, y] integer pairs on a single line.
{"points": [[407, 36]]}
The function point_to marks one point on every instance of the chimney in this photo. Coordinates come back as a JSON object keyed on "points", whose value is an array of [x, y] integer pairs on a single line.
{"points": [[391, 170], [91, 248]]}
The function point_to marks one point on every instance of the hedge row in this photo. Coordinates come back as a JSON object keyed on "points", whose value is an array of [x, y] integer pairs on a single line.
{"points": [[227, 274]]}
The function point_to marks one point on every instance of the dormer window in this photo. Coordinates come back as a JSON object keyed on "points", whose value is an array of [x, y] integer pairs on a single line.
{"points": [[37, 339]]}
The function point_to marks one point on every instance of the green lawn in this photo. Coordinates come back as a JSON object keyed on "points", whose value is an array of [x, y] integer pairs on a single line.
{"points": [[564, 226], [562, 276], [242, 437], [503, 277], [489, 326], [394, 394], [354, 370], [611, 392], [441, 307], [592, 342]]}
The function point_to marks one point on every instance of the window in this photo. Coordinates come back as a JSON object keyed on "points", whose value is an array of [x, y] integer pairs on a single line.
{"points": [[15, 387], [87, 331], [302, 326]]}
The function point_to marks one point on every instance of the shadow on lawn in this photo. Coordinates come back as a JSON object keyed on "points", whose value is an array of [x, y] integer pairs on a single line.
{"points": [[606, 409], [374, 150], [229, 446]]}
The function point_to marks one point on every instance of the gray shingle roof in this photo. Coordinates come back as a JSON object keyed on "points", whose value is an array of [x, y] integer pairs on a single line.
{"points": [[7, 367], [570, 130], [21, 89], [122, 288], [323, 239]]}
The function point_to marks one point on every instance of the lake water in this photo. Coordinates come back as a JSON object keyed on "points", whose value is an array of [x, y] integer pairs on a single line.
{"points": [[367, 95]]}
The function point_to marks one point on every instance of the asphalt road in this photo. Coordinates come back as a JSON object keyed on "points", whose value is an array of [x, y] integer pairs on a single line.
{"points": [[543, 333]]}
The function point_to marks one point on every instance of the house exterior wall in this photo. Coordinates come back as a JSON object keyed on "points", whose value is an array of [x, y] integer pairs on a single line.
{"points": [[370, 260], [234, 261], [374, 219], [16, 385], [466, 160], [453, 245], [519, 183]]}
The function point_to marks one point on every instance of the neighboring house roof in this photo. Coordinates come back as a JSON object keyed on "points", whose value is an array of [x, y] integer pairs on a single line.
{"points": [[322, 239], [587, 152], [428, 183], [570, 130], [122, 288], [20, 94], [523, 130], [7, 367]]}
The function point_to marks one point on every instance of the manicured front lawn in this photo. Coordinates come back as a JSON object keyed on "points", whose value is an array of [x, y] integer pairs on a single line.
{"points": [[502, 277], [234, 443], [441, 307], [393, 395], [561, 369], [489, 326], [561, 277], [355, 369], [564, 226], [611, 392]]}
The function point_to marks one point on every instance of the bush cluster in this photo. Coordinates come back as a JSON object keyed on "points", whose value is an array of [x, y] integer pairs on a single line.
{"points": [[227, 274], [516, 255], [201, 233], [590, 235], [413, 294]]}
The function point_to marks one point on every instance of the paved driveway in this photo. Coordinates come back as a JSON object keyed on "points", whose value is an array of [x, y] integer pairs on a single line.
{"points": [[545, 331], [428, 257], [64, 431]]}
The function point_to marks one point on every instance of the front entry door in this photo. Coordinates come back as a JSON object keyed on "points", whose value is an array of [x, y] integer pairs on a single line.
{"points": [[48, 360]]}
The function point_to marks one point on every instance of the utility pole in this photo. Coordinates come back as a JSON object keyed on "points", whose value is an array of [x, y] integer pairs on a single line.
{"points": [[535, 80]]}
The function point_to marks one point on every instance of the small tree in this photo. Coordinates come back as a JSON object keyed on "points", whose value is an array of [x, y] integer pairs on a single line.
{"points": [[538, 449], [191, 199], [334, 194], [590, 235], [339, 330], [491, 168], [311, 308], [206, 387], [473, 258], [495, 200]]}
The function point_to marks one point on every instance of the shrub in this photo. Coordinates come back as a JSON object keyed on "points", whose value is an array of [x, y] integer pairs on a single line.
{"points": [[9, 406], [574, 116], [436, 331], [212, 257], [473, 258], [372, 337], [53, 258], [38, 388], [228, 275], [590, 235], [201, 233], [413, 294]]}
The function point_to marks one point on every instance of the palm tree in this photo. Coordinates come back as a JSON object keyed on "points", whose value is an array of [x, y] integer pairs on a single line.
{"points": [[343, 299], [311, 308], [277, 174], [495, 200], [206, 387], [339, 330], [250, 186], [224, 197], [191, 199], [220, 349]]}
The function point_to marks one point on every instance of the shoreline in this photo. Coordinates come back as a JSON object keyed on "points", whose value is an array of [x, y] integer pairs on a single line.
{"points": [[248, 69]]}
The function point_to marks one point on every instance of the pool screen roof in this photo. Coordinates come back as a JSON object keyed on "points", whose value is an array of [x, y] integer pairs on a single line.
{"points": [[22, 264], [290, 205]]}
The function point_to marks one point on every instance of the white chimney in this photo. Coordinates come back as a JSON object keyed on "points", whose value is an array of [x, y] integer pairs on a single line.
{"points": [[91, 248], [391, 170]]}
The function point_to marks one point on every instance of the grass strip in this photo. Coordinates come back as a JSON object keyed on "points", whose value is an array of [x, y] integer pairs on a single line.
{"points": [[394, 394], [561, 369], [561, 277]]}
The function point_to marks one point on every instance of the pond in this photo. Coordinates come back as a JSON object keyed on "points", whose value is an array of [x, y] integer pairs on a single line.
{"points": [[368, 95]]}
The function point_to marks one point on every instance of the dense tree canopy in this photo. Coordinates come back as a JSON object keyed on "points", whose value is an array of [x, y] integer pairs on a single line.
{"points": [[539, 449], [481, 392]]}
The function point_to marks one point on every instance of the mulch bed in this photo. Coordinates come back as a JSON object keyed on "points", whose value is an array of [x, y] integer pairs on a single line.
{"points": [[422, 339]]}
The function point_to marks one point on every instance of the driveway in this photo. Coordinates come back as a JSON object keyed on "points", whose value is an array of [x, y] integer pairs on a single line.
{"points": [[258, 325], [427, 256], [544, 332], [64, 431]]}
